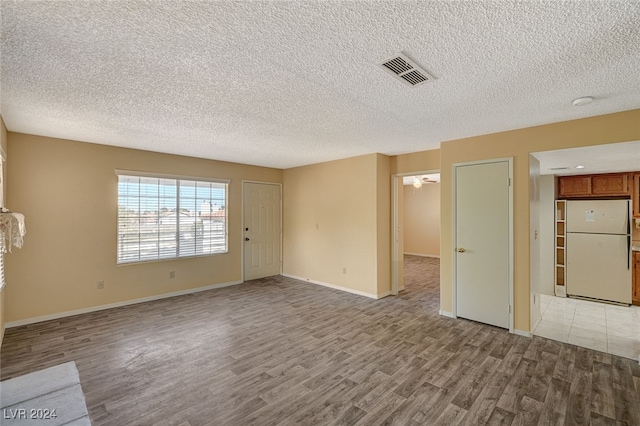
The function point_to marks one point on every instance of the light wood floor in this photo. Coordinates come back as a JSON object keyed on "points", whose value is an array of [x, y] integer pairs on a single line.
{"points": [[280, 351]]}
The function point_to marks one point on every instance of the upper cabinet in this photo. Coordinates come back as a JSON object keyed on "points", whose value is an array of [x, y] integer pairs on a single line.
{"points": [[574, 186], [610, 184], [604, 185]]}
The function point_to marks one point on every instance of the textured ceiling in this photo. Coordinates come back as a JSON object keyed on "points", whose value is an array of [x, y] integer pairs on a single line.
{"points": [[284, 84]]}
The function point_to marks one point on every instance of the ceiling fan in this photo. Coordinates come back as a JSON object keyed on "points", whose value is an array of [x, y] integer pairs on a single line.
{"points": [[419, 180]]}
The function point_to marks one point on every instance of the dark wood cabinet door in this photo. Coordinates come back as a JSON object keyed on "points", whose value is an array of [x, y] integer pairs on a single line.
{"points": [[635, 296], [574, 186], [636, 195], [617, 184]]}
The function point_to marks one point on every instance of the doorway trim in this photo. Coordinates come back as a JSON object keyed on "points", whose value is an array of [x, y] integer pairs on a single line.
{"points": [[454, 284], [242, 245], [395, 231]]}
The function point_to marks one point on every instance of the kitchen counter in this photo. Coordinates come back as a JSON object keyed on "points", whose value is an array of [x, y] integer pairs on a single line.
{"points": [[635, 245]]}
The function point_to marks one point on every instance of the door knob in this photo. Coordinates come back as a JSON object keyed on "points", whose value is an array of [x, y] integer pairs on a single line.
{"points": [[460, 250], [246, 239]]}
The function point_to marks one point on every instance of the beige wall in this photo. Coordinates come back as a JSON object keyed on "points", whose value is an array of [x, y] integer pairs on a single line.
{"points": [[399, 258], [422, 220], [383, 219], [3, 143], [330, 223], [68, 194], [416, 162], [611, 128]]}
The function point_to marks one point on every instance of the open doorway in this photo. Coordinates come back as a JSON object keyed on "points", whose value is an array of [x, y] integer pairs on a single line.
{"points": [[590, 323], [416, 225]]}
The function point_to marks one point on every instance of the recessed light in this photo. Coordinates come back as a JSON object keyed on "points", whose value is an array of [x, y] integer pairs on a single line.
{"points": [[582, 101], [579, 167]]}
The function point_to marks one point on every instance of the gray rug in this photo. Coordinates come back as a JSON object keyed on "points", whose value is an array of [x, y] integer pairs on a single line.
{"points": [[47, 397]]}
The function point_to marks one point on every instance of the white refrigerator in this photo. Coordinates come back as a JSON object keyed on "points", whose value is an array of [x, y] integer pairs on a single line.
{"points": [[599, 249]]}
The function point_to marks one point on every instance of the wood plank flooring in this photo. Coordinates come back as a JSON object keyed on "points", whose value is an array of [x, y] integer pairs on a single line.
{"points": [[280, 351]]}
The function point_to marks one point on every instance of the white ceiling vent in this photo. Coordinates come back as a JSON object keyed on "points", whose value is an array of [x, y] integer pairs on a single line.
{"points": [[406, 70]]}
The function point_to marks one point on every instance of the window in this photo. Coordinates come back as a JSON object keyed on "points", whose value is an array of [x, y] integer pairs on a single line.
{"points": [[166, 218]]}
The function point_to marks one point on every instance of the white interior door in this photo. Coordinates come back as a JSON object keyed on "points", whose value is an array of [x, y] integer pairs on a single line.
{"points": [[483, 242], [262, 230]]}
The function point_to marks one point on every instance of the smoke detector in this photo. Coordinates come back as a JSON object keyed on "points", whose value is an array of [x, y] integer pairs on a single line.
{"points": [[582, 101], [406, 70]]}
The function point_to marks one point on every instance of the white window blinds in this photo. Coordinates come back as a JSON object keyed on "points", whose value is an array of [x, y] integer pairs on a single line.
{"points": [[166, 218]]}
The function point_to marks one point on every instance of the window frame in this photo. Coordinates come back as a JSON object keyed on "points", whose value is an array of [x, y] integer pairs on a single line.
{"points": [[122, 261]]}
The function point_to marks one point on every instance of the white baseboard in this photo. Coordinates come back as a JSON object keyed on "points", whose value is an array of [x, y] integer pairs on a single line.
{"points": [[515, 331], [117, 304], [522, 333], [422, 255], [339, 287]]}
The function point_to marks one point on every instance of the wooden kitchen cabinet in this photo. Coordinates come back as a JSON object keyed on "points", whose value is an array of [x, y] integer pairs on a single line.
{"points": [[602, 185], [574, 186], [635, 296], [635, 197], [610, 184]]}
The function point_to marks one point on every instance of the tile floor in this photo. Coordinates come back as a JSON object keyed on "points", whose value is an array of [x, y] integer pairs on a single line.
{"points": [[600, 326]]}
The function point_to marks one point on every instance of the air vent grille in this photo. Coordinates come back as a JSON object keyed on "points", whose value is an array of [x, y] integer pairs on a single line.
{"points": [[406, 70], [398, 65], [414, 77]]}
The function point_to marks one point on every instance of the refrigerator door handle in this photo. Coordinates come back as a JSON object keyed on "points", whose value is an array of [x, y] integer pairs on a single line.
{"points": [[628, 251], [629, 235], [628, 218]]}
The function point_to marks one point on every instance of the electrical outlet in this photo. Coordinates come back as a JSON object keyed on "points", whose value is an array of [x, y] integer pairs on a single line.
{"points": [[172, 274], [344, 270], [100, 285]]}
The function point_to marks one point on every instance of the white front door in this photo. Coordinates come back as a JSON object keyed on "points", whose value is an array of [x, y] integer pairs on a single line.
{"points": [[262, 230], [483, 247]]}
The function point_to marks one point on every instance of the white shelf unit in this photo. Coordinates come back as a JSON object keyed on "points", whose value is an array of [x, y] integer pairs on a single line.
{"points": [[561, 253]]}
